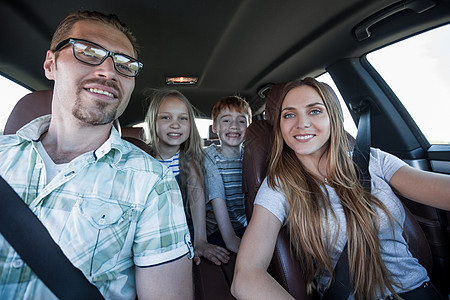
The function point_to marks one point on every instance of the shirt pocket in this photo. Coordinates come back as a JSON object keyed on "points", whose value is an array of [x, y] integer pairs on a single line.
{"points": [[102, 214], [98, 236]]}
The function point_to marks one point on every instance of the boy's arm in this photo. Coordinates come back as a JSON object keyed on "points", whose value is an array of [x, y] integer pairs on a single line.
{"points": [[230, 238], [216, 193]]}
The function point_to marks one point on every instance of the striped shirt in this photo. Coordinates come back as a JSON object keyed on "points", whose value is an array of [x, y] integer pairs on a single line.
{"points": [[224, 180], [109, 210], [173, 164]]}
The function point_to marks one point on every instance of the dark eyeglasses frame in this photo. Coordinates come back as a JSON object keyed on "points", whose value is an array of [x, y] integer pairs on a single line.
{"points": [[111, 54]]}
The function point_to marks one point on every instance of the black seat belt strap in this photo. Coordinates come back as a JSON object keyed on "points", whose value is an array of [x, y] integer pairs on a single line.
{"points": [[361, 152], [31, 240], [341, 287]]}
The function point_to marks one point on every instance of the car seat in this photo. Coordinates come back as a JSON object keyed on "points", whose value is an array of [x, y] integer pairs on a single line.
{"points": [[213, 138], [284, 267], [39, 103], [29, 107]]}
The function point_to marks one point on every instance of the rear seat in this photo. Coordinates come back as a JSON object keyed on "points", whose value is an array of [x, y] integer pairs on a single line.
{"points": [[212, 281], [135, 132], [212, 138]]}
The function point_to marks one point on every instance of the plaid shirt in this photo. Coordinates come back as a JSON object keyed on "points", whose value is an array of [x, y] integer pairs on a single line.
{"points": [[108, 210]]}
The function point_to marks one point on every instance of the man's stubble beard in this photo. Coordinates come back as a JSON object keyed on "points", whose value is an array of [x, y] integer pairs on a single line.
{"points": [[101, 113]]}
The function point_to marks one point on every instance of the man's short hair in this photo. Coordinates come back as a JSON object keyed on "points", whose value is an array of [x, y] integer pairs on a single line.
{"points": [[62, 32], [232, 103]]}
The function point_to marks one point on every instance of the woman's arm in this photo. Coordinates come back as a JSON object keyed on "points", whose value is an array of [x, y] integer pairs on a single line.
{"points": [[251, 280], [421, 186], [197, 208]]}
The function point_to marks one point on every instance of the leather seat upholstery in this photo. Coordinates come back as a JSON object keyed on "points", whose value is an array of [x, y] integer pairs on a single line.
{"points": [[213, 138], [257, 146], [284, 267], [135, 132], [30, 107]]}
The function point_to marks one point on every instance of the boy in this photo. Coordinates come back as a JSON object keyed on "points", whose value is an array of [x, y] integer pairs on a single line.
{"points": [[225, 212]]}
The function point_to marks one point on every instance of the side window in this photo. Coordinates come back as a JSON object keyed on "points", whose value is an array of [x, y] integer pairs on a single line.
{"points": [[349, 124], [418, 71], [203, 127], [11, 93]]}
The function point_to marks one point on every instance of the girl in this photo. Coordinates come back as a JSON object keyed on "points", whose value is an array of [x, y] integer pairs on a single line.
{"points": [[174, 140], [312, 186]]}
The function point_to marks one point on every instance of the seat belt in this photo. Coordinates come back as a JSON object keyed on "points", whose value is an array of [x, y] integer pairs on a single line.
{"points": [[361, 153], [341, 287], [31, 240]]}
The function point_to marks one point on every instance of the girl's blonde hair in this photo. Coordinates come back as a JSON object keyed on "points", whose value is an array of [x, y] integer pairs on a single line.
{"points": [[191, 151], [309, 204]]}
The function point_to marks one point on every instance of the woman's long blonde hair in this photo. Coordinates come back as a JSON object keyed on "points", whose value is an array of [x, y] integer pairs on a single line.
{"points": [[191, 151], [309, 203]]}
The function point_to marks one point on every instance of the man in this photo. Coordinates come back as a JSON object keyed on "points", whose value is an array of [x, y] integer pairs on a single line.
{"points": [[116, 213]]}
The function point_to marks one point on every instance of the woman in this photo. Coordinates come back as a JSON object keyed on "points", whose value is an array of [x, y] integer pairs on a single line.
{"points": [[312, 186]]}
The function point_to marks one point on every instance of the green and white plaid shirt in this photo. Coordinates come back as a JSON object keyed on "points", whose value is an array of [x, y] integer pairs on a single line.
{"points": [[108, 210]]}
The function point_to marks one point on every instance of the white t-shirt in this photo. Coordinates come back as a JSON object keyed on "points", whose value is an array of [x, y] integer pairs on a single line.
{"points": [[51, 168]]}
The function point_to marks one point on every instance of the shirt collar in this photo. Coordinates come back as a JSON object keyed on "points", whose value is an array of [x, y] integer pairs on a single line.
{"points": [[33, 131], [171, 159], [241, 150], [114, 145]]}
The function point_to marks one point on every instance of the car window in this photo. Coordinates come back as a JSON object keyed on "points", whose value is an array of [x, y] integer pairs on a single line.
{"points": [[418, 71], [11, 93], [202, 126], [349, 124]]}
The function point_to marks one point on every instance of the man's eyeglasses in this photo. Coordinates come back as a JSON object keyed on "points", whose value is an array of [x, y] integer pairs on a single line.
{"points": [[94, 54]]}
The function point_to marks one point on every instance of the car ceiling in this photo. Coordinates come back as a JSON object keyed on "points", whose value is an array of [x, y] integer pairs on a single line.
{"points": [[233, 46]]}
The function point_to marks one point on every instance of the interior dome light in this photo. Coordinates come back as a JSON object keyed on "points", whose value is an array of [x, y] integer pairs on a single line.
{"points": [[181, 80]]}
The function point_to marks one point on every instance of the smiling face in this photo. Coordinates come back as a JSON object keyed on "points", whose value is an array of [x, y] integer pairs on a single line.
{"points": [[231, 126], [93, 95], [172, 125], [304, 123]]}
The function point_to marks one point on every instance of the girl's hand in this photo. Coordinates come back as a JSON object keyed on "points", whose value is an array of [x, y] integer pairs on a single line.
{"points": [[216, 254]]}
